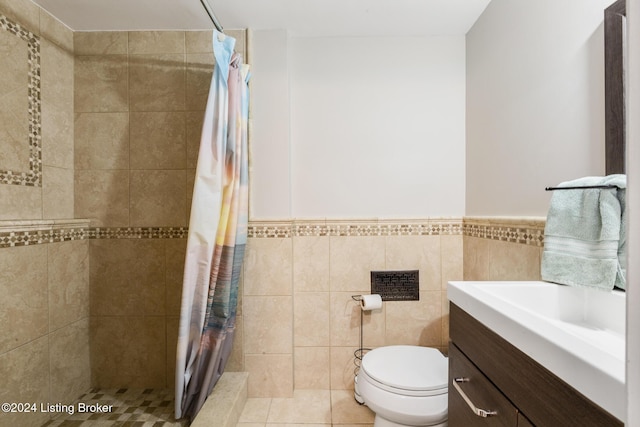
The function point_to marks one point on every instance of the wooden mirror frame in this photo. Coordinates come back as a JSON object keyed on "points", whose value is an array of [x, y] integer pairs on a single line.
{"points": [[614, 44]]}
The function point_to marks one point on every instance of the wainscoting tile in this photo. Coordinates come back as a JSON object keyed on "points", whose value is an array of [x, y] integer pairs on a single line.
{"points": [[127, 277], [175, 252], [268, 324], [451, 258], [69, 362], [173, 326], [416, 253], [312, 368], [23, 285], [268, 267], [345, 322], [128, 351], [311, 317], [25, 378], [68, 277], [311, 263], [476, 258], [415, 322], [512, 261], [270, 375], [352, 258]]}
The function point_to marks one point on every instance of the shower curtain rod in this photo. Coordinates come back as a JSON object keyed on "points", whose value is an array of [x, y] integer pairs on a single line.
{"points": [[212, 15]]}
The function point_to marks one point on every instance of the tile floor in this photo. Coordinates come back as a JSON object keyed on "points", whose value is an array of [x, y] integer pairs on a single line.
{"points": [[309, 407], [142, 408], [129, 408]]}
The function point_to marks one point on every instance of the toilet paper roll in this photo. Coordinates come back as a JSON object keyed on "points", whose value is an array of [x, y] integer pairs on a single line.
{"points": [[370, 302]]}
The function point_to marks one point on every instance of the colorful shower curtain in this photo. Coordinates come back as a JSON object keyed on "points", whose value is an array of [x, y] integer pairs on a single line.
{"points": [[217, 234]]}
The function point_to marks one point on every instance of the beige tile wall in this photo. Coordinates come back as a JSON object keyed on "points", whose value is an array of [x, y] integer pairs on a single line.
{"points": [[44, 311], [54, 199], [301, 325], [139, 102], [44, 340], [503, 249]]}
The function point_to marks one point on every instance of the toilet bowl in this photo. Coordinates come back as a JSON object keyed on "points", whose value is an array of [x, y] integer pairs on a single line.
{"points": [[404, 385]]}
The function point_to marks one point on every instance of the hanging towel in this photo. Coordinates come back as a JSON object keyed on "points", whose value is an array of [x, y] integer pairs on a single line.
{"points": [[584, 236]]}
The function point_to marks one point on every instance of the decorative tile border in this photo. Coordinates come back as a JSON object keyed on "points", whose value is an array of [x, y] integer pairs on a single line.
{"points": [[353, 228], [137, 232], [32, 177], [28, 233], [527, 231]]}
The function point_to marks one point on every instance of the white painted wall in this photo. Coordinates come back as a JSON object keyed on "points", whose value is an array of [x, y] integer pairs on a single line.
{"points": [[535, 102], [376, 127], [269, 127], [633, 171]]}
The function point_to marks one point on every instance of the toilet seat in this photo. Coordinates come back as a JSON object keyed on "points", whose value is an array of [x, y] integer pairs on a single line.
{"points": [[407, 370]]}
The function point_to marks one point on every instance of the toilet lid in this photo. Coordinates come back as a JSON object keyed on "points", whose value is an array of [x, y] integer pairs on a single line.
{"points": [[407, 367]]}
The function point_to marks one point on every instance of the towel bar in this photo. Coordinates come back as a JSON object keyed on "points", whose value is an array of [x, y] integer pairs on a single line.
{"points": [[582, 187]]}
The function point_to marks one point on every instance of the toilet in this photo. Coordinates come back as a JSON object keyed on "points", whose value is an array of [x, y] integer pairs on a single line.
{"points": [[404, 385]]}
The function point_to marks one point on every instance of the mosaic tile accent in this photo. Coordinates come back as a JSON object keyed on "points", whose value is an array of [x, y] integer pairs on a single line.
{"points": [[138, 233], [526, 232], [122, 407], [28, 233], [32, 177], [298, 228], [522, 231]]}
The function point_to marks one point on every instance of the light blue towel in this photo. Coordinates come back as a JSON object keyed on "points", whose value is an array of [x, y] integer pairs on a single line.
{"points": [[585, 236]]}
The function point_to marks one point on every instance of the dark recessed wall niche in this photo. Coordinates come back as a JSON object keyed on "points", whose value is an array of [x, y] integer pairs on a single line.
{"points": [[20, 122], [614, 45]]}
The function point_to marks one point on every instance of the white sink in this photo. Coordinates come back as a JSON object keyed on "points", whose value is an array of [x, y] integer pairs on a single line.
{"points": [[576, 333]]}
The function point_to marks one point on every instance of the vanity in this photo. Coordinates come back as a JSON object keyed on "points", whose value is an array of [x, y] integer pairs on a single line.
{"points": [[535, 354]]}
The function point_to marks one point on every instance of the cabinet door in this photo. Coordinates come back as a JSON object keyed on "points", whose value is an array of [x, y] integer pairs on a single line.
{"points": [[480, 392]]}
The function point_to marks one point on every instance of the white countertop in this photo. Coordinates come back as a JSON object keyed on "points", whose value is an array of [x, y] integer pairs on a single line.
{"points": [[576, 333]]}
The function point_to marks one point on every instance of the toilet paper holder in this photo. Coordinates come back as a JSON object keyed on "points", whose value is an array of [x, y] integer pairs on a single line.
{"points": [[360, 352]]}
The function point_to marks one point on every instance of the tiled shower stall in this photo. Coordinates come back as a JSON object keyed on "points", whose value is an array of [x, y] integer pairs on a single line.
{"points": [[91, 260]]}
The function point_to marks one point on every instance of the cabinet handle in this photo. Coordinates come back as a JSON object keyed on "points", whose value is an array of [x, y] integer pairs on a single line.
{"points": [[479, 412]]}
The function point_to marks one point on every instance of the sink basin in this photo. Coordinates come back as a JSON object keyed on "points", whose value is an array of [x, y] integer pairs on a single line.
{"points": [[576, 333]]}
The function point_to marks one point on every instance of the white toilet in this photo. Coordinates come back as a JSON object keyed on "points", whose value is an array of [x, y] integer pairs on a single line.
{"points": [[404, 385]]}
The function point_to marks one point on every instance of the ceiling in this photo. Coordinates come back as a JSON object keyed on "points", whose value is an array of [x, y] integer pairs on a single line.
{"points": [[299, 17]]}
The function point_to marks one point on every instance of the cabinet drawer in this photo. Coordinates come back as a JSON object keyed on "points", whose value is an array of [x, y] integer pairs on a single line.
{"points": [[480, 391]]}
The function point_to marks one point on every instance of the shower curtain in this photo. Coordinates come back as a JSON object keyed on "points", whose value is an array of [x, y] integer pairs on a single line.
{"points": [[217, 234]]}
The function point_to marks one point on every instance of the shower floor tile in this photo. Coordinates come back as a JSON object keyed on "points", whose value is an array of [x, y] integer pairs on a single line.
{"points": [[120, 408]]}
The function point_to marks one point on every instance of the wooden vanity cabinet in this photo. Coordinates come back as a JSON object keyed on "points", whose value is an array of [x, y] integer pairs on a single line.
{"points": [[499, 377], [479, 390]]}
